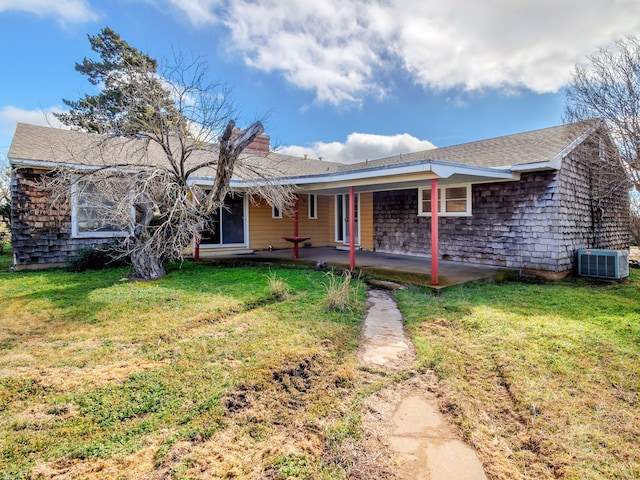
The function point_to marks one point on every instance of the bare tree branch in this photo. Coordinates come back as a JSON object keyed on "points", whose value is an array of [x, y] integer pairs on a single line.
{"points": [[154, 133]]}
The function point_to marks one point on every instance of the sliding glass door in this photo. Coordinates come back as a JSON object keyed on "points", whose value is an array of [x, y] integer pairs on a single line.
{"points": [[342, 219]]}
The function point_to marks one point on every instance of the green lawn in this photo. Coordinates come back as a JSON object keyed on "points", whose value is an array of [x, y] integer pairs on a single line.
{"points": [[204, 370], [221, 372], [543, 379]]}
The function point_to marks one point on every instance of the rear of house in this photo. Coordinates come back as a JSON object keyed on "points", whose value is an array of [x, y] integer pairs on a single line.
{"points": [[527, 201]]}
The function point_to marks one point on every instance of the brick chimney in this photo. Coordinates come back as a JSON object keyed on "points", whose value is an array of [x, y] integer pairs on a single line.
{"points": [[260, 144]]}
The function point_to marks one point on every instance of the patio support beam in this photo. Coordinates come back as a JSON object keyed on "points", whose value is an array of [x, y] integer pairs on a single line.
{"points": [[352, 227], [296, 213], [434, 231]]}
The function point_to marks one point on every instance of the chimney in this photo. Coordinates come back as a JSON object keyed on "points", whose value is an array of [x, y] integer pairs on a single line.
{"points": [[260, 144]]}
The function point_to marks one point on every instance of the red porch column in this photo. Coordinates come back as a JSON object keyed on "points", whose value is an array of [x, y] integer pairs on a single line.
{"points": [[434, 231], [295, 227], [196, 249], [352, 227]]}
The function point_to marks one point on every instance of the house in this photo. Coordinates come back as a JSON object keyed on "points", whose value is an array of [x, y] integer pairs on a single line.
{"points": [[527, 201]]}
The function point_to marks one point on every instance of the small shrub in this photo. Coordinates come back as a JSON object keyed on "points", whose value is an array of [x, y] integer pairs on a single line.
{"points": [[279, 288], [94, 259], [340, 294]]}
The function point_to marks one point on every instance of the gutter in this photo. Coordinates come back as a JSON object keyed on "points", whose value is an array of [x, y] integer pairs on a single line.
{"points": [[425, 169]]}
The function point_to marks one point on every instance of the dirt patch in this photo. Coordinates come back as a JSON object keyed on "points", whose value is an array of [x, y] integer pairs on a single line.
{"points": [[76, 379]]}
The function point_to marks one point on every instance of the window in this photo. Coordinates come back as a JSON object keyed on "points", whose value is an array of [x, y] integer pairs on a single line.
{"points": [[276, 212], [452, 201], [313, 209], [93, 213], [226, 224]]}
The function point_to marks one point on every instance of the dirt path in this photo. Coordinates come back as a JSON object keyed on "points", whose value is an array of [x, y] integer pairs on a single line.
{"points": [[404, 418]]}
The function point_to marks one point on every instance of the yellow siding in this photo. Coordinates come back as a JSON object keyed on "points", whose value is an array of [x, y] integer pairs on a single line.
{"points": [[265, 230], [366, 220]]}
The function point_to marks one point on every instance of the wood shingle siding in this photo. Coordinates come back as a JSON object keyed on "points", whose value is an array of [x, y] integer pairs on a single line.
{"points": [[536, 224], [41, 229]]}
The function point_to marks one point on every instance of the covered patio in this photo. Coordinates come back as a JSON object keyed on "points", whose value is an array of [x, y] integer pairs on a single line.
{"points": [[406, 269]]}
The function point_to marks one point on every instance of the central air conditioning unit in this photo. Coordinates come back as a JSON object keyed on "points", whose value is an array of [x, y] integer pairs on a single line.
{"points": [[613, 264]]}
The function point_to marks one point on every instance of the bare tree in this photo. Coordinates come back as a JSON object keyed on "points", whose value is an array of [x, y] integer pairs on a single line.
{"points": [[5, 203], [608, 87], [634, 229], [155, 133]]}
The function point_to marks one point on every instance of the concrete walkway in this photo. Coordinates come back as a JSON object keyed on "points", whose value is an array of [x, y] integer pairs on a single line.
{"points": [[424, 444]]}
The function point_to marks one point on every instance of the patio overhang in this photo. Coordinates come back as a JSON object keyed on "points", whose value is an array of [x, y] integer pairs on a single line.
{"points": [[391, 177]]}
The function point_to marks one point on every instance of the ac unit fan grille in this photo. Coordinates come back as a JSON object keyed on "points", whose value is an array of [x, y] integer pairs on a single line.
{"points": [[603, 263]]}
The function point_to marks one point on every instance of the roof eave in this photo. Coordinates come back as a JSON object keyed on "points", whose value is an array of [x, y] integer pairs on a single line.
{"points": [[553, 164], [425, 169], [47, 165], [556, 162]]}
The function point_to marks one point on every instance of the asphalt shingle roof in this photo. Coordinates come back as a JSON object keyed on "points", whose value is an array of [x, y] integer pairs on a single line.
{"points": [[32, 143], [502, 152], [44, 144]]}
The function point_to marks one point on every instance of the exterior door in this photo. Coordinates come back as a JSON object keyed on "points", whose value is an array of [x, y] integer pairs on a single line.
{"points": [[226, 226], [342, 219]]}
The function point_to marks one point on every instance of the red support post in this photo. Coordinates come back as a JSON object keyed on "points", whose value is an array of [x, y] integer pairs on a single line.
{"points": [[352, 227], [295, 227], [196, 249], [434, 231]]}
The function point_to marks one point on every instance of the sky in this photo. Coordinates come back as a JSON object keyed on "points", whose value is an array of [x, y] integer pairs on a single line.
{"points": [[342, 80]]}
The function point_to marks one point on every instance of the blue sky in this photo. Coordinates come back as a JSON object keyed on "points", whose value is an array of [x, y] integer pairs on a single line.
{"points": [[343, 80]]}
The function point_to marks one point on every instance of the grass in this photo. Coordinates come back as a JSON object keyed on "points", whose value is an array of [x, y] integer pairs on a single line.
{"points": [[542, 379], [239, 372], [340, 292], [252, 372]]}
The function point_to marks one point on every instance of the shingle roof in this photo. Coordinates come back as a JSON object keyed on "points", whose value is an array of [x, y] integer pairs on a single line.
{"points": [[502, 152], [43, 144], [33, 143]]}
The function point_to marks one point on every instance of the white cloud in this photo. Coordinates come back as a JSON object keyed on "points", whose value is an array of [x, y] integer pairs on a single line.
{"points": [[10, 116], [360, 147], [343, 50], [66, 11], [198, 11]]}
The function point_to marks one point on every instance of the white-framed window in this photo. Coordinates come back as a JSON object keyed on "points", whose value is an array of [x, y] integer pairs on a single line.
{"points": [[453, 201], [89, 213], [276, 212], [313, 206], [226, 225]]}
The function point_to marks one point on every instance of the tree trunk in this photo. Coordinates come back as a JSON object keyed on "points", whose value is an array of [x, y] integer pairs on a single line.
{"points": [[147, 266]]}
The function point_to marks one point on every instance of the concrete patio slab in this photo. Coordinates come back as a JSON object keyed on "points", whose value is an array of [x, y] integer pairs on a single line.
{"points": [[408, 269]]}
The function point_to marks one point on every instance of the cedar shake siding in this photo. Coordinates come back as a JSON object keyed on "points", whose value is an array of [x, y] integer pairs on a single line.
{"points": [[594, 204], [535, 224], [41, 232]]}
